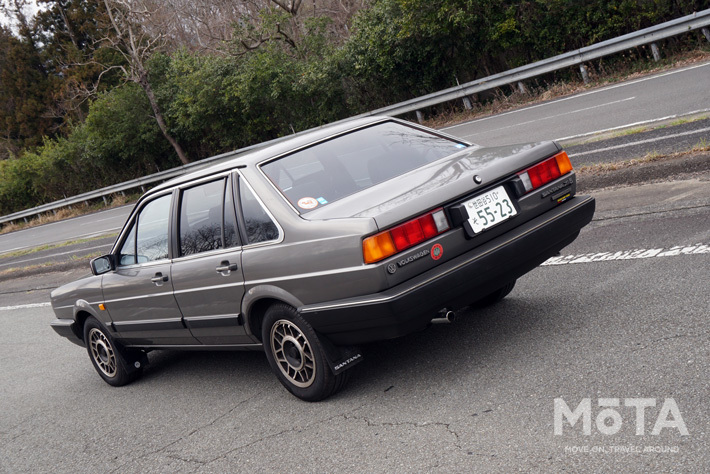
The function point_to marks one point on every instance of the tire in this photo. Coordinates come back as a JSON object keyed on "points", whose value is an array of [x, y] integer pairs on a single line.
{"points": [[107, 358], [496, 296], [296, 355]]}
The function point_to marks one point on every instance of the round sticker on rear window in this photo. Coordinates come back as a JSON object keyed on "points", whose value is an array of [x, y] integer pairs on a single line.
{"points": [[307, 203]]}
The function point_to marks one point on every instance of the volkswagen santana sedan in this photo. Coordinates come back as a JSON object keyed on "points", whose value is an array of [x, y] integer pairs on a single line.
{"points": [[308, 248]]}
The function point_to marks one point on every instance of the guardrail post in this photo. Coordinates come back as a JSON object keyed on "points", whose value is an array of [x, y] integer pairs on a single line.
{"points": [[585, 74], [467, 103], [656, 52], [706, 32], [105, 200], [522, 88], [420, 116]]}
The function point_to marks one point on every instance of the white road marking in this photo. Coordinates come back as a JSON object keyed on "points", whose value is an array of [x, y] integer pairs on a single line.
{"points": [[24, 306], [596, 91], [96, 221], [45, 257], [540, 119], [641, 142], [635, 124], [629, 254], [11, 250]]}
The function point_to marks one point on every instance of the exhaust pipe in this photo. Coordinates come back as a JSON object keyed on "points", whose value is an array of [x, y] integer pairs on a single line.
{"points": [[444, 316]]}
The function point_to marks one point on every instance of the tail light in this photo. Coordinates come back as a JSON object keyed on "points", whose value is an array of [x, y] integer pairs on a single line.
{"points": [[404, 236], [546, 171]]}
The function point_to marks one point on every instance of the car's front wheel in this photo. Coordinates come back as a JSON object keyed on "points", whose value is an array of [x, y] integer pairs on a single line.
{"points": [[296, 355], [108, 359]]}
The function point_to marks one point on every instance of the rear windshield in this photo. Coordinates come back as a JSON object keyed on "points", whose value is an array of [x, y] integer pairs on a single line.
{"points": [[328, 171]]}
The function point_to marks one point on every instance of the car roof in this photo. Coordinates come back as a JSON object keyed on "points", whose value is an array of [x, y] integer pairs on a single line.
{"points": [[260, 153]]}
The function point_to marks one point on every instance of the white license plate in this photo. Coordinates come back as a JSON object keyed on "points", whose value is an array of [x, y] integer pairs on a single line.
{"points": [[489, 209]]}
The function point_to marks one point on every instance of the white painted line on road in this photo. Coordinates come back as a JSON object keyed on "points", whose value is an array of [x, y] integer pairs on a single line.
{"points": [[584, 94], [100, 220], [635, 124], [45, 257], [12, 250], [97, 233], [629, 254], [24, 306], [641, 142], [540, 119]]}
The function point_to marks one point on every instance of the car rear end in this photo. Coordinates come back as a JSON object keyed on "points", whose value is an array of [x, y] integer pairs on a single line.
{"points": [[451, 230]]}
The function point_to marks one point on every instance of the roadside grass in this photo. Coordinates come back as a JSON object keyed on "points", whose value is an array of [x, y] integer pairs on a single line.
{"points": [[631, 131], [28, 251], [502, 102], [650, 157], [702, 145], [13, 270], [117, 200]]}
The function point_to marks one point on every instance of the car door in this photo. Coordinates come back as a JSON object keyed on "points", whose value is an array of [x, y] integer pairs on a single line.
{"points": [[207, 269], [138, 295]]}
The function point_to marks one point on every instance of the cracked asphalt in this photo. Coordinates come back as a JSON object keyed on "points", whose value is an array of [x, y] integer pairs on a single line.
{"points": [[474, 396]]}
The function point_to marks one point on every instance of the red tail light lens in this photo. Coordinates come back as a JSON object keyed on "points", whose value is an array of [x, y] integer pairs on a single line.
{"points": [[546, 171], [404, 236]]}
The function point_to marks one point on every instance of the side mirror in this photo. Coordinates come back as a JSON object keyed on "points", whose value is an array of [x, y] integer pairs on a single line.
{"points": [[103, 264]]}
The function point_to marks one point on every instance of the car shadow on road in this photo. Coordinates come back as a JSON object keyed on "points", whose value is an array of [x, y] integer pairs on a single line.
{"points": [[479, 341]]}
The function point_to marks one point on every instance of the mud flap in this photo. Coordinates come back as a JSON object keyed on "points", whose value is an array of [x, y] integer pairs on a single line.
{"points": [[340, 358], [135, 360]]}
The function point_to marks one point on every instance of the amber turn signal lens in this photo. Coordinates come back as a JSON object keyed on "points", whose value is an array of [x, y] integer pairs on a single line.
{"points": [[563, 162], [378, 247]]}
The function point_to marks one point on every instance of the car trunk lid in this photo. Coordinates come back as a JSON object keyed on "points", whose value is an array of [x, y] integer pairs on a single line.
{"points": [[435, 184]]}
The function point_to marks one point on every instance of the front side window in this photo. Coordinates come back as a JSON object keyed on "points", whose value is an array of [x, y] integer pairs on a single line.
{"points": [[147, 240], [207, 219], [328, 171]]}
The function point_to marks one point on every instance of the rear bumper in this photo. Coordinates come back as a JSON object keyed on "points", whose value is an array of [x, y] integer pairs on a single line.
{"points": [[411, 306]]}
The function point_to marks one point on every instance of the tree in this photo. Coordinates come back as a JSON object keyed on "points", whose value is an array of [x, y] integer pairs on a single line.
{"points": [[25, 95], [136, 46], [69, 31]]}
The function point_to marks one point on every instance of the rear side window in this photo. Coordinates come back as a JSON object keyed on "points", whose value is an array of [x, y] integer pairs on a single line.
{"points": [[328, 171], [204, 225], [150, 241], [258, 225]]}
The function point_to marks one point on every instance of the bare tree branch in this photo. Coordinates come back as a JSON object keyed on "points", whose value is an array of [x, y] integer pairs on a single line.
{"points": [[136, 46]]}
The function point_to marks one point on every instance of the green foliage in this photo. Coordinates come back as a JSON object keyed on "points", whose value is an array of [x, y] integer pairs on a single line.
{"points": [[25, 91]]}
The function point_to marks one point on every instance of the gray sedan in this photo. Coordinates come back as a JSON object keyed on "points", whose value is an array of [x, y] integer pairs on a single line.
{"points": [[309, 248]]}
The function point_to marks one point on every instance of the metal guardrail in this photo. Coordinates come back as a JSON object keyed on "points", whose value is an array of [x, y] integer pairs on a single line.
{"points": [[573, 58]]}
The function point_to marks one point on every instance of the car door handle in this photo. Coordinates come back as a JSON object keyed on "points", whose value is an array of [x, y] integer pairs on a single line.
{"points": [[159, 279], [226, 268]]}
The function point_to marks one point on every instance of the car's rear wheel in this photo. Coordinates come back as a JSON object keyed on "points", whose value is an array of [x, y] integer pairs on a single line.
{"points": [[296, 355], [108, 359], [496, 296]]}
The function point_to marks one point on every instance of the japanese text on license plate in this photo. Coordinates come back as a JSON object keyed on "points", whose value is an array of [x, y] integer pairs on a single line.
{"points": [[489, 209]]}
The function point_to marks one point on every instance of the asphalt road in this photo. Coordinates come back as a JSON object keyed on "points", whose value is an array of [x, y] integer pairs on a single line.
{"points": [[622, 314], [664, 140], [82, 227], [646, 100]]}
